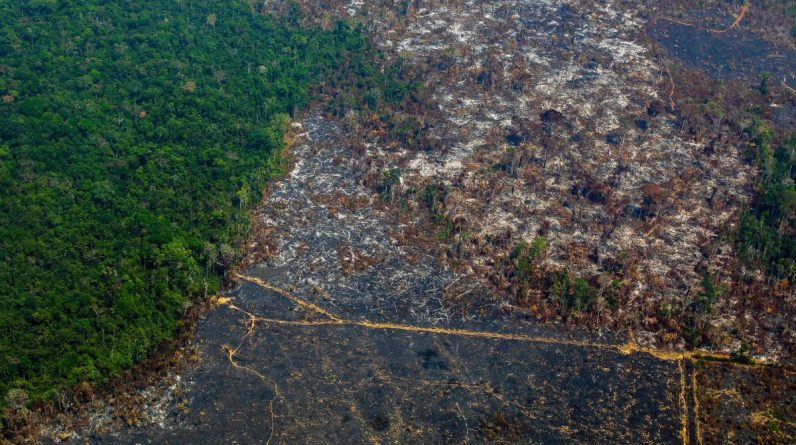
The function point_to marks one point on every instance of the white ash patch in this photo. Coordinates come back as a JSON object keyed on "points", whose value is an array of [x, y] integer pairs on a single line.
{"points": [[354, 6]]}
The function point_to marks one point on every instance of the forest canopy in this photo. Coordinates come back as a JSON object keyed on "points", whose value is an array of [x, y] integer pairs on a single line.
{"points": [[134, 138]]}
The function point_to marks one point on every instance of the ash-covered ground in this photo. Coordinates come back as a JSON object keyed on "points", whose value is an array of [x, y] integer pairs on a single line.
{"points": [[558, 120]]}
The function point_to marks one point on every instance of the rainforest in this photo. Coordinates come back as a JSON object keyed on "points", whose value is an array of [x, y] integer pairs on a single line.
{"points": [[136, 136]]}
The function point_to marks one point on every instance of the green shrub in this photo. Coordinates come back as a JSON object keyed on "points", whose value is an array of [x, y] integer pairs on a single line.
{"points": [[527, 258], [574, 294]]}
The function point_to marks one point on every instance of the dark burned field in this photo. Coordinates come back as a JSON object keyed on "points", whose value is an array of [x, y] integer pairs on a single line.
{"points": [[342, 327], [355, 384], [725, 55]]}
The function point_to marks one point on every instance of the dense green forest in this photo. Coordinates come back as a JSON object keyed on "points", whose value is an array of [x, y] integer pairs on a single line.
{"points": [[765, 234], [134, 137]]}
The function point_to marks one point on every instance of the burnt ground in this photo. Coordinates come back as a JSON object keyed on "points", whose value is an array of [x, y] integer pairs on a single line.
{"points": [[354, 321], [348, 384], [739, 405], [563, 120], [734, 53]]}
